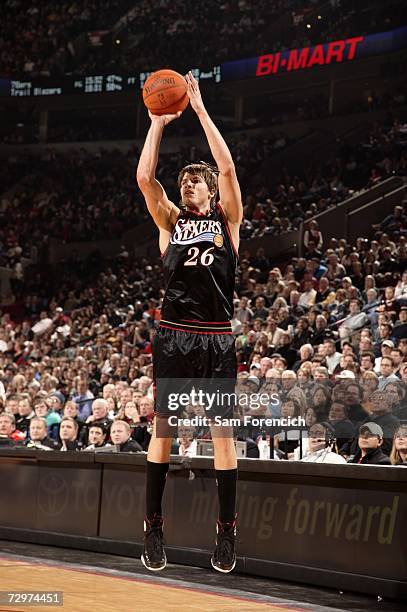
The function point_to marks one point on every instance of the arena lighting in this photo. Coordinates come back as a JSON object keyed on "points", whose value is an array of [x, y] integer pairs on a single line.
{"points": [[308, 26], [117, 41]]}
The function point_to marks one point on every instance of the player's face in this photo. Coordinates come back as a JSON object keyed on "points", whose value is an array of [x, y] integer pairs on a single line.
{"points": [[194, 191]]}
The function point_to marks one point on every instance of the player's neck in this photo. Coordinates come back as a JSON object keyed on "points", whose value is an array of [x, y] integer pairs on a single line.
{"points": [[202, 210]]}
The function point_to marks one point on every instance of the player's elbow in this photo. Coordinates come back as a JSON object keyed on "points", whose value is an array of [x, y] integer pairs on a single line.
{"points": [[144, 180], [228, 169]]}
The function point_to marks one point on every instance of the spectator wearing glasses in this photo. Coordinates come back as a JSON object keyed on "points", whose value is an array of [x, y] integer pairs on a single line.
{"points": [[320, 444]]}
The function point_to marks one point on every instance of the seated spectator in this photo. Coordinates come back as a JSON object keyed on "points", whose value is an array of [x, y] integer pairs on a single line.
{"points": [[396, 392], [386, 373], [381, 415], [308, 296], [56, 401], [43, 410], [292, 390], [386, 348], [370, 441], [286, 351], [401, 288], [370, 383], [68, 434], [353, 397], [100, 409], [187, 444], [120, 433], [367, 362], [83, 397], [25, 414], [9, 435], [354, 321], [321, 399], [343, 428], [97, 437], [146, 409], [400, 327], [398, 455], [139, 429], [286, 440], [321, 330], [71, 410], [11, 405], [320, 443], [38, 435], [332, 357], [306, 353], [321, 375], [313, 233], [397, 356]]}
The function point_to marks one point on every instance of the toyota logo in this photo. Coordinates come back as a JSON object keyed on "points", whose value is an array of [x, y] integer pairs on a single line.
{"points": [[53, 494]]}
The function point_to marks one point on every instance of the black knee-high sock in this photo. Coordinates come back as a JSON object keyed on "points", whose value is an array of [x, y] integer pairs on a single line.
{"points": [[156, 475], [226, 480]]}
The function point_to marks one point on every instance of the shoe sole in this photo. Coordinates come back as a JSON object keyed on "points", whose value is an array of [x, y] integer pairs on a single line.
{"points": [[154, 569], [224, 571]]}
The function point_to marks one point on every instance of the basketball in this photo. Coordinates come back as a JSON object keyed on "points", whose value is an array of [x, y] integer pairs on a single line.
{"points": [[165, 92]]}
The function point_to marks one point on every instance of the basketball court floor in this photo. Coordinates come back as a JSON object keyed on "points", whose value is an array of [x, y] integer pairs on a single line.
{"points": [[108, 583]]}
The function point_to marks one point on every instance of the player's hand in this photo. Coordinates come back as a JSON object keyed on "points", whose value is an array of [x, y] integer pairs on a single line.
{"points": [[194, 93], [164, 119]]}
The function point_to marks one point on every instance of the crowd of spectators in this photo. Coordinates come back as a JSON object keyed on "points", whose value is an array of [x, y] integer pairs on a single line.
{"points": [[326, 334], [40, 40], [71, 197], [237, 29], [80, 196], [37, 40], [295, 198]]}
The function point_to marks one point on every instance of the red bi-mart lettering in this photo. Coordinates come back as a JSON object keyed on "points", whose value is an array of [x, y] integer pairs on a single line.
{"points": [[336, 51]]}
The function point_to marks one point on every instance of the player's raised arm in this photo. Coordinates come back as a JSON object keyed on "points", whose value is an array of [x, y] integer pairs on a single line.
{"points": [[229, 190], [163, 211]]}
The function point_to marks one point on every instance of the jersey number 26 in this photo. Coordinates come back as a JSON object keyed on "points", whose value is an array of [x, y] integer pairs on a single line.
{"points": [[206, 257]]}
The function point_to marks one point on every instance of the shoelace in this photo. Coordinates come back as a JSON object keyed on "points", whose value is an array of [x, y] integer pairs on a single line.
{"points": [[153, 538], [226, 542]]}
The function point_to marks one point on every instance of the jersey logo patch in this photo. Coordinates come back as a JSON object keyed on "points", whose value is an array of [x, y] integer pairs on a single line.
{"points": [[190, 231]]}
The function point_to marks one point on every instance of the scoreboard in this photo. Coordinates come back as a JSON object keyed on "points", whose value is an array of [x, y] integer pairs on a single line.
{"points": [[340, 51]]}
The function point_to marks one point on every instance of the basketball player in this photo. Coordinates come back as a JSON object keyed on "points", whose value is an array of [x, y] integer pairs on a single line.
{"points": [[199, 244]]}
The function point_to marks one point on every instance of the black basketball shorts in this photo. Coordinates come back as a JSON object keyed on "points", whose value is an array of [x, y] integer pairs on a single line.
{"points": [[184, 361]]}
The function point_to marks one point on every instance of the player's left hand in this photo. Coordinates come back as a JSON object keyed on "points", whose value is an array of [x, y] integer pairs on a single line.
{"points": [[194, 93]]}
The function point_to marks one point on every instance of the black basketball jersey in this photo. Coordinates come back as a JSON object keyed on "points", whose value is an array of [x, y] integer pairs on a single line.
{"points": [[199, 270]]}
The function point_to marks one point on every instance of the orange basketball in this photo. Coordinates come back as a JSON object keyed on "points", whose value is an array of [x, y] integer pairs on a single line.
{"points": [[165, 92]]}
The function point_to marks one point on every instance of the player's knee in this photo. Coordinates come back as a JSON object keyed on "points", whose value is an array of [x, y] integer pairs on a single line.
{"points": [[224, 445]]}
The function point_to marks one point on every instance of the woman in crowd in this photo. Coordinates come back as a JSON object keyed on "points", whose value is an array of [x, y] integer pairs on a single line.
{"points": [[398, 455], [321, 399], [370, 383]]}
